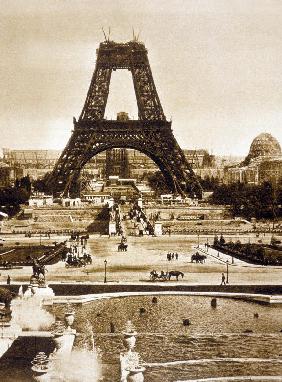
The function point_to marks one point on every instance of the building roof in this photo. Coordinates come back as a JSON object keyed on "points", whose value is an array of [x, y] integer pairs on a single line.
{"points": [[30, 155], [264, 145], [95, 193]]}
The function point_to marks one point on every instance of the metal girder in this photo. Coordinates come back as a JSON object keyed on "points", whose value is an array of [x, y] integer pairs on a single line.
{"points": [[151, 134], [155, 139], [134, 57]]}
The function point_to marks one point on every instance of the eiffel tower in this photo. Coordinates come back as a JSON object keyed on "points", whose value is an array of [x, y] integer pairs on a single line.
{"points": [[151, 134]]}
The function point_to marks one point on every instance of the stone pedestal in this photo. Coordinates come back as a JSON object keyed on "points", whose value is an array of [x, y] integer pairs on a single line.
{"points": [[34, 290], [158, 229], [41, 368], [64, 337], [128, 360], [41, 375], [64, 342], [69, 319], [135, 374]]}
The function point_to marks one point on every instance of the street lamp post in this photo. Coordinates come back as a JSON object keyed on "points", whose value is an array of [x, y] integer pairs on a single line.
{"points": [[2, 324], [227, 273], [198, 240], [105, 276]]}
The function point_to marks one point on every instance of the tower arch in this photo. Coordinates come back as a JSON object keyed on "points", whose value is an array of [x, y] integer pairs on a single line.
{"points": [[151, 134]]}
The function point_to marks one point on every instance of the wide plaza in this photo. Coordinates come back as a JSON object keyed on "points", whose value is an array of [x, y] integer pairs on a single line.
{"points": [[149, 253]]}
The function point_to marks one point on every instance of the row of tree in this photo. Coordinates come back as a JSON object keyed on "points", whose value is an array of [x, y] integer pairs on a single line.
{"points": [[259, 201], [245, 200], [252, 253], [12, 197], [17, 194], [157, 182]]}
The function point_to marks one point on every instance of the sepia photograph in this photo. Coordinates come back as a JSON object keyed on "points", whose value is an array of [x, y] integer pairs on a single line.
{"points": [[141, 190]]}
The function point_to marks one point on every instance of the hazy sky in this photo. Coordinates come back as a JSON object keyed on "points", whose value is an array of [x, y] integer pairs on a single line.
{"points": [[217, 65]]}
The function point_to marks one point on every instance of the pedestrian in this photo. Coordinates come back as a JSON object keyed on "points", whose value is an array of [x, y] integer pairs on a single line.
{"points": [[223, 279], [8, 280], [172, 256], [176, 256]]}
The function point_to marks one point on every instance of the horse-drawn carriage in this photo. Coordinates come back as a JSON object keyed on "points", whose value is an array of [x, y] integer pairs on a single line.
{"points": [[75, 262], [7, 264], [122, 247], [154, 276], [87, 258], [198, 258], [160, 277]]}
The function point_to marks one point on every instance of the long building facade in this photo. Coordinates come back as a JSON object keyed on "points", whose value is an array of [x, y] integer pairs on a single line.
{"points": [[123, 162], [263, 163]]}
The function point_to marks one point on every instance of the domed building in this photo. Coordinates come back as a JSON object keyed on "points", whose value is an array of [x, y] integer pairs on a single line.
{"points": [[264, 145], [263, 163]]}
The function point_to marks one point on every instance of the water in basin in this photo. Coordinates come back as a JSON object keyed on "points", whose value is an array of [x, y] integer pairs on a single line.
{"points": [[236, 338]]}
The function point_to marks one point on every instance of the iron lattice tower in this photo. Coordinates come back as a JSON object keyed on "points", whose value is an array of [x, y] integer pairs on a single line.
{"points": [[151, 134]]}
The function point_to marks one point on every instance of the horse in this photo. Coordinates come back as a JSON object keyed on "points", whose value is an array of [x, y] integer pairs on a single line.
{"points": [[175, 274], [122, 247], [198, 258]]}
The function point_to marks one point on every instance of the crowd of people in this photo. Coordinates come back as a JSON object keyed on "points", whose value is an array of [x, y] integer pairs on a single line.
{"points": [[78, 254], [137, 214], [172, 256]]}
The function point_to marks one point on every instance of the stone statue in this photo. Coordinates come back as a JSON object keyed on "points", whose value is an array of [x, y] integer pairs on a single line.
{"points": [[39, 271]]}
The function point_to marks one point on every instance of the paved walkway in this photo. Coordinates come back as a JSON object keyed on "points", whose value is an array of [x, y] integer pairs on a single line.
{"points": [[262, 378], [147, 253], [223, 258]]}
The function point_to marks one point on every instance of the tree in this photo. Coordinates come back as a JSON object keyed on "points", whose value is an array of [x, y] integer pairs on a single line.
{"points": [[41, 185], [215, 241], [237, 245], [221, 240], [25, 183], [157, 183], [260, 254], [12, 196], [259, 201], [248, 249], [5, 296]]}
